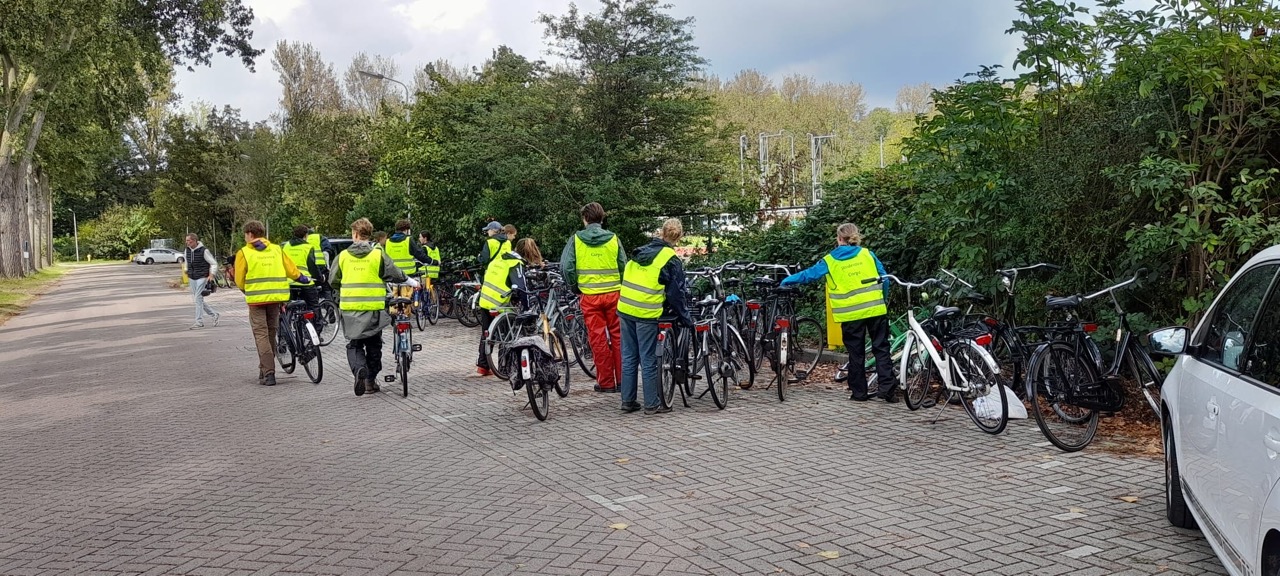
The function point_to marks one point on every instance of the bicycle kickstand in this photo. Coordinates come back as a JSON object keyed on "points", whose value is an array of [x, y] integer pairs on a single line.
{"points": [[944, 404]]}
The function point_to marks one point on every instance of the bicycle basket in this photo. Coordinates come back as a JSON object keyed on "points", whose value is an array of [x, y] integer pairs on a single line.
{"points": [[542, 365]]}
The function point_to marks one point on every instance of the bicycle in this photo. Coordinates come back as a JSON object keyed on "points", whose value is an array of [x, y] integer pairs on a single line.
{"points": [[402, 347], [935, 354], [297, 341], [541, 316], [329, 318], [1067, 385], [426, 300], [786, 336]]}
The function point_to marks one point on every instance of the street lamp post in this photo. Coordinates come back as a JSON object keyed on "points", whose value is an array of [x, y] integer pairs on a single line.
{"points": [[815, 163], [408, 206], [764, 161], [75, 228]]}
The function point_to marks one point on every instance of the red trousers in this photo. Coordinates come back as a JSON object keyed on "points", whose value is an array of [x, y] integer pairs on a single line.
{"points": [[600, 312]]}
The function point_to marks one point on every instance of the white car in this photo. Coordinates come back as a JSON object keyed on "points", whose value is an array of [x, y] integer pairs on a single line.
{"points": [[1221, 421], [158, 255]]}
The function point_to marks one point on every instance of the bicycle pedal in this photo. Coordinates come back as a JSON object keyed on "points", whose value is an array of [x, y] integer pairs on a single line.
{"points": [[417, 347], [389, 378], [802, 375]]}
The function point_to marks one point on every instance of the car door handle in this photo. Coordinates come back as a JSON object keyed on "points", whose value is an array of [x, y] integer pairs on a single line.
{"points": [[1213, 409], [1272, 443]]}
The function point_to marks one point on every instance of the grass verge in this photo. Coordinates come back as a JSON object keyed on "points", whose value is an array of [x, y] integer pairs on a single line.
{"points": [[18, 293]]}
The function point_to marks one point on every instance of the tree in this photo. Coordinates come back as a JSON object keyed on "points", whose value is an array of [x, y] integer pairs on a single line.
{"points": [[367, 94], [915, 99], [310, 85], [45, 47]]}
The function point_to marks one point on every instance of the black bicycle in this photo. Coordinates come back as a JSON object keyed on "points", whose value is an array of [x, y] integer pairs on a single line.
{"points": [[297, 341], [1068, 387]]}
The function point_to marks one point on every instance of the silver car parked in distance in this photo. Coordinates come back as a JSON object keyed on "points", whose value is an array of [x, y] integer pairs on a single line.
{"points": [[158, 256]]}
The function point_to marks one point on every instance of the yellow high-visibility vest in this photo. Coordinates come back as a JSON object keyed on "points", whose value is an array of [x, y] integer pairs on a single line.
{"points": [[299, 253], [400, 255], [496, 291], [847, 296], [322, 259], [433, 270], [642, 295], [265, 278], [362, 288], [597, 266]]}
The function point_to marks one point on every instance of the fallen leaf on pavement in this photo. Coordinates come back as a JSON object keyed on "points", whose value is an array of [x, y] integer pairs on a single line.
{"points": [[802, 545], [622, 460], [653, 476], [618, 526], [1076, 510], [829, 554], [1129, 499]]}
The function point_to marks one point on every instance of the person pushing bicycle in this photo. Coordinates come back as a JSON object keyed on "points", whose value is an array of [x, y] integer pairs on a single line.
{"points": [[361, 275], [859, 308]]}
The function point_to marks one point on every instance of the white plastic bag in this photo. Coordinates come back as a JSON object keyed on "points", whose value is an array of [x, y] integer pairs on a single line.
{"points": [[989, 406]]}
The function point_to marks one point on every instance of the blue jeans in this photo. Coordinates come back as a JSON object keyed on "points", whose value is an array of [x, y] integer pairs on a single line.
{"points": [[197, 286], [639, 352]]}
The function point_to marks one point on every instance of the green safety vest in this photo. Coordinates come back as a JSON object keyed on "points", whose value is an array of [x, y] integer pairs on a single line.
{"points": [[433, 270], [298, 253], [597, 266], [322, 259], [496, 291], [642, 294], [848, 297], [265, 278], [400, 254], [362, 286]]}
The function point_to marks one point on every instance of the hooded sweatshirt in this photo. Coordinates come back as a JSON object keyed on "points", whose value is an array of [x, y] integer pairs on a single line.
{"points": [[671, 277], [242, 266], [819, 271], [593, 235], [357, 324], [415, 249], [485, 256]]}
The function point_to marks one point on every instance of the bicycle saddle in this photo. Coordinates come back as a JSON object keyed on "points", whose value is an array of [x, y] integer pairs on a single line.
{"points": [[527, 317], [1062, 302], [786, 290], [763, 281], [941, 312], [295, 304], [398, 300]]}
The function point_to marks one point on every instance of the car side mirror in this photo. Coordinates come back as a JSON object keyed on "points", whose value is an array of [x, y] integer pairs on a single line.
{"points": [[1168, 341]]}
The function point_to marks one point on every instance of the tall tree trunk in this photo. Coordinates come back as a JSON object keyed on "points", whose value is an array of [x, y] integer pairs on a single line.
{"points": [[10, 222], [48, 223]]}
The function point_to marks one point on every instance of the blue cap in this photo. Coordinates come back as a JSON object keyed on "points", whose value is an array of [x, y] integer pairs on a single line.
{"points": [[495, 226]]}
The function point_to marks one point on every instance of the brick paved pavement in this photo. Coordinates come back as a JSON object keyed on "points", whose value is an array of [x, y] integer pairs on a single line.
{"points": [[116, 457]]}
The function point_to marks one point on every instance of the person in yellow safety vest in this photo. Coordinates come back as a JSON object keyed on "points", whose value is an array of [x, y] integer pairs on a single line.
{"points": [[433, 254], [404, 249], [653, 286], [859, 308], [496, 243], [592, 263], [323, 250], [263, 272], [360, 276], [502, 276], [305, 256]]}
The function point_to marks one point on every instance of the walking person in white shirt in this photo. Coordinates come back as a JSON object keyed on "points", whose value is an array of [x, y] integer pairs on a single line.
{"points": [[200, 266]]}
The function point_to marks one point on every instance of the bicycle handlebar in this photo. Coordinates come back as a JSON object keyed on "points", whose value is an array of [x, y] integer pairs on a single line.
{"points": [[1124, 284], [956, 278], [1009, 272], [890, 277]]}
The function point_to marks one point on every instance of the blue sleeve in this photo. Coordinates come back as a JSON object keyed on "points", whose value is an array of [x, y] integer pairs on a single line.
{"points": [[880, 271], [809, 275], [325, 244], [677, 292]]}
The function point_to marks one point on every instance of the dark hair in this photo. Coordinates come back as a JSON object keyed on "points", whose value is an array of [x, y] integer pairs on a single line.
{"points": [[403, 225], [300, 232], [593, 213], [362, 228], [255, 228], [379, 235], [426, 235]]}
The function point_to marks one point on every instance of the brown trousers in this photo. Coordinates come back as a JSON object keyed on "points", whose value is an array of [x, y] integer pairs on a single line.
{"points": [[264, 320]]}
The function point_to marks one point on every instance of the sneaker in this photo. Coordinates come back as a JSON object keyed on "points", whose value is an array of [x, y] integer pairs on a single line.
{"points": [[483, 371], [891, 397], [858, 397], [372, 387], [262, 379], [216, 318], [360, 381], [629, 407], [196, 325], [269, 379], [606, 390], [659, 409]]}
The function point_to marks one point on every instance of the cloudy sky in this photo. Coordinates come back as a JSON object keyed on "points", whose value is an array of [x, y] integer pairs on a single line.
{"points": [[880, 44]]}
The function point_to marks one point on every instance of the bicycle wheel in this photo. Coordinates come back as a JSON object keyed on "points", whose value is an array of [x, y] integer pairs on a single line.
{"points": [[420, 309], [714, 367], [1053, 374], [666, 379], [330, 321], [501, 332], [402, 370], [780, 344], [1144, 373], [1005, 350], [563, 364], [539, 400], [464, 301], [285, 351], [433, 305], [920, 375], [744, 374], [808, 340], [309, 353], [692, 360], [983, 394]]}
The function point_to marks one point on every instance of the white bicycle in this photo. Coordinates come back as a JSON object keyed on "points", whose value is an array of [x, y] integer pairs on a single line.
{"points": [[949, 364]]}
